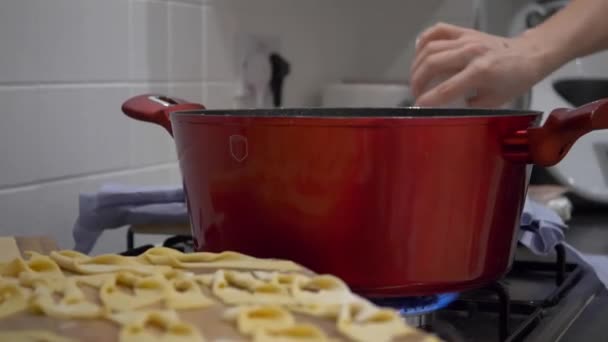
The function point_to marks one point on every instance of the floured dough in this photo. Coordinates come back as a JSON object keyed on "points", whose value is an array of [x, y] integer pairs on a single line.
{"points": [[43, 264], [285, 279], [37, 263], [107, 263], [155, 326], [94, 280], [242, 288], [13, 268], [185, 293], [32, 280], [32, 336], [250, 319], [205, 280], [73, 303], [268, 323], [262, 295], [175, 258], [67, 259], [36, 270], [294, 333], [363, 322], [144, 291], [321, 296], [128, 317], [176, 274], [13, 298], [323, 289]]}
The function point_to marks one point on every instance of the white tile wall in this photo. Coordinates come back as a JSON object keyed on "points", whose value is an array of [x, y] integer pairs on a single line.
{"points": [[149, 41], [219, 95], [19, 132], [83, 40], [186, 34], [19, 28], [191, 91], [67, 65]]}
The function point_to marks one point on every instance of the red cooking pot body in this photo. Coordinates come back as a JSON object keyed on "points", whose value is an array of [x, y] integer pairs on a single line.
{"points": [[395, 201]]}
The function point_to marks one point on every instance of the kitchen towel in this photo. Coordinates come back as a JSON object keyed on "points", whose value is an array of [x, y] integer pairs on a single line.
{"points": [[115, 206], [542, 229]]}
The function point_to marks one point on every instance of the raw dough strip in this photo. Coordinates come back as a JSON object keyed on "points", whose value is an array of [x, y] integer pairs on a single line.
{"points": [[146, 291], [67, 259], [42, 264], [107, 263], [321, 296], [128, 317], [228, 259], [186, 294], [250, 319], [13, 268], [177, 293], [242, 288], [271, 323], [295, 333], [33, 280], [323, 289], [172, 329], [284, 279], [73, 303], [94, 280], [32, 336], [37, 269], [361, 321], [13, 298]]}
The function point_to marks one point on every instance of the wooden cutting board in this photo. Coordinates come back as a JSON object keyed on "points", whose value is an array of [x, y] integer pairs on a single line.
{"points": [[8, 249], [209, 320]]}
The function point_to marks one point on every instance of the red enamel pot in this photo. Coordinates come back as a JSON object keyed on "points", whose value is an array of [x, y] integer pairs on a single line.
{"points": [[395, 201]]}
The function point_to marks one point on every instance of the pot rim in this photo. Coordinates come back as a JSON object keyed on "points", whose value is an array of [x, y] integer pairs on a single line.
{"points": [[357, 113]]}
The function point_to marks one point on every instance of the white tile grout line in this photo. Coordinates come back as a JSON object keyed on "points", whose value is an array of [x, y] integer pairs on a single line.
{"points": [[130, 39], [101, 84], [184, 2], [169, 55], [87, 176], [204, 44]]}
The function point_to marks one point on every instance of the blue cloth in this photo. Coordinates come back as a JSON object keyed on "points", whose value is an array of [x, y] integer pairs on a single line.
{"points": [[542, 229], [116, 206]]}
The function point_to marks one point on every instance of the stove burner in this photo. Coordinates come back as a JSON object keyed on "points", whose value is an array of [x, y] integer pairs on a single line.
{"points": [[410, 306]]}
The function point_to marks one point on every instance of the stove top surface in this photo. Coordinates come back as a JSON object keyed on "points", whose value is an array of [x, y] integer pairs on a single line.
{"points": [[549, 298], [529, 304]]}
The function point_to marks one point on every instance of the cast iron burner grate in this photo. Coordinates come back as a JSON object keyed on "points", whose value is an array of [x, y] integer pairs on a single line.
{"points": [[495, 298], [182, 243]]}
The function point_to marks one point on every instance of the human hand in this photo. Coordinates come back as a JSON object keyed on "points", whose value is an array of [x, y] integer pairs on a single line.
{"points": [[487, 70]]}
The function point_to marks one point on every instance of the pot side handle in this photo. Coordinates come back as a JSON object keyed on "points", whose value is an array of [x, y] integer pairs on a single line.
{"points": [[155, 108], [549, 144]]}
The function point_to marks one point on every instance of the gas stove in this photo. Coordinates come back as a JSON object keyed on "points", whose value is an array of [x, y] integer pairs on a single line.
{"points": [[540, 299], [537, 301]]}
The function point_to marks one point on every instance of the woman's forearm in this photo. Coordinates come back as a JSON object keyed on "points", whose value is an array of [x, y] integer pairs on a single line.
{"points": [[497, 69], [581, 28]]}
